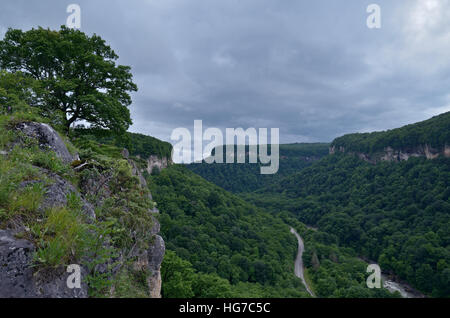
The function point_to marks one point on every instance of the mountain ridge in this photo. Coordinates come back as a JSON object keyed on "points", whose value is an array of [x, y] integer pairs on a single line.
{"points": [[429, 138]]}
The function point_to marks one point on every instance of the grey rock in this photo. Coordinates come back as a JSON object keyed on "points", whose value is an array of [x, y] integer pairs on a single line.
{"points": [[155, 258], [48, 138], [396, 155], [151, 260], [156, 163], [154, 210], [156, 253], [156, 226], [154, 283], [17, 276], [136, 172], [95, 184], [57, 192], [52, 283], [125, 153]]}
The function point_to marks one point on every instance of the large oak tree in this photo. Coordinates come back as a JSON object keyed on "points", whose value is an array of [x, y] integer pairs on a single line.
{"points": [[78, 74]]}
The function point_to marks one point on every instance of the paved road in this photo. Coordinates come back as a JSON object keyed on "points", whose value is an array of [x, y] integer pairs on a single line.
{"points": [[298, 269]]}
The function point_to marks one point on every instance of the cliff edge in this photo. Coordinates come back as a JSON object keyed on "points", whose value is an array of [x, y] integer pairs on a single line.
{"points": [[60, 206]]}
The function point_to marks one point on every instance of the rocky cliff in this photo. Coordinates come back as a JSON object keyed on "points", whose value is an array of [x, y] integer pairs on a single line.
{"points": [[429, 138], [391, 154], [105, 202], [155, 164]]}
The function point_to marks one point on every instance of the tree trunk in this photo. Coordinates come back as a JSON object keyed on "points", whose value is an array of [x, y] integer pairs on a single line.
{"points": [[69, 122]]}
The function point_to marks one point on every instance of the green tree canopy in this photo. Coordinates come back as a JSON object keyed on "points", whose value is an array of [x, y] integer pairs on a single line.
{"points": [[16, 90], [78, 74]]}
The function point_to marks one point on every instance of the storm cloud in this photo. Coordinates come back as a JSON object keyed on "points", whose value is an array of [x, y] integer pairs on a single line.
{"points": [[311, 68]]}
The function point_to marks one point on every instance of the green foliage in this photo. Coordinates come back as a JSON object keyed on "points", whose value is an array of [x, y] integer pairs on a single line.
{"points": [[211, 286], [224, 238], [61, 238], [177, 276], [434, 132], [91, 146], [244, 178], [77, 75], [101, 253], [123, 225], [20, 196], [16, 96], [63, 235], [131, 284], [335, 271], [396, 213], [16, 92], [137, 144], [67, 76], [126, 205], [25, 200]]}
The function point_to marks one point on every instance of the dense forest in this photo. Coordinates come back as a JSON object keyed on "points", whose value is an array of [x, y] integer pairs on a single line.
{"points": [[333, 270], [395, 213], [220, 246], [434, 132], [214, 236], [238, 178], [224, 237]]}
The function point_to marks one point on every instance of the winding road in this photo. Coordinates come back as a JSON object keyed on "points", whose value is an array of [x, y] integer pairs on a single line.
{"points": [[298, 268], [405, 290]]}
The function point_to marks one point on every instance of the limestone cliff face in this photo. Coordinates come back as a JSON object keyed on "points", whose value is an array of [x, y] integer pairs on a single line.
{"points": [[155, 163], [18, 275], [389, 154], [152, 258], [18, 278]]}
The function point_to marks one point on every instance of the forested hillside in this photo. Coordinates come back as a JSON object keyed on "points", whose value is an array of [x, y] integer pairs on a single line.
{"points": [[333, 270], [396, 213], [224, 237], [220, 246], [434, 132], [247, 177]]}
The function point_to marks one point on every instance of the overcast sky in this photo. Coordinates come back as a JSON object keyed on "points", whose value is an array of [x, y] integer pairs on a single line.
{"points": [[311, 68]]}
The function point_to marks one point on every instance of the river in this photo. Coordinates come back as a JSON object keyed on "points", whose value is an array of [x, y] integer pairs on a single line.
{"points": [[404, 289], [392, 285]]}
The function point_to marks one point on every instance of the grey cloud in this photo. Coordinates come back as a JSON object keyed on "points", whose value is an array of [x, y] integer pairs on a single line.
{"points": [[311, 68]]}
